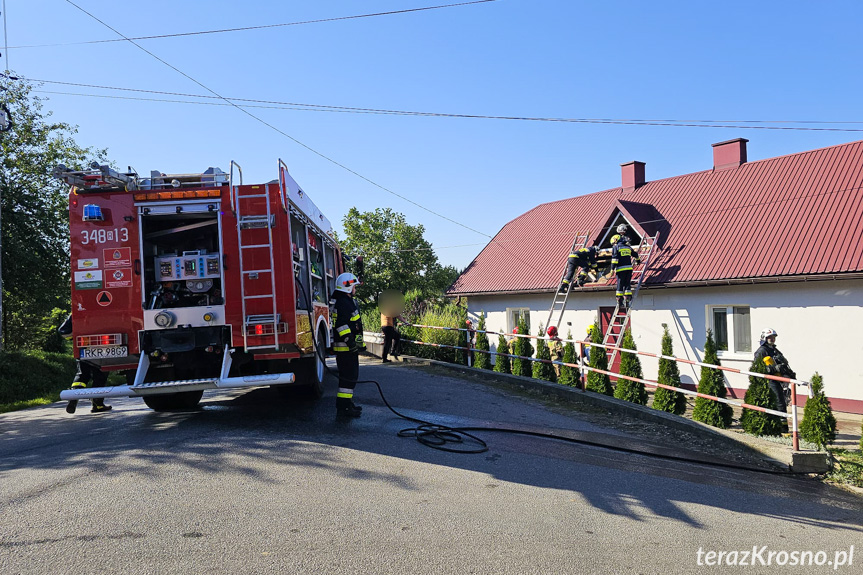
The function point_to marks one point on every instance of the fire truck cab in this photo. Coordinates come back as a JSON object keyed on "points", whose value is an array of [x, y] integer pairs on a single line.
{"points": [[189, 282]]}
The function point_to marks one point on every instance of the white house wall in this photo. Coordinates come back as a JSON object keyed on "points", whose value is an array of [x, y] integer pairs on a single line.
{"points": [[817, 323]]}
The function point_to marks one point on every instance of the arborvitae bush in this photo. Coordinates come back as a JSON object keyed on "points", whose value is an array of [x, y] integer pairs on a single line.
{"points": [[568, 375], [598, 382], [481, 360], [461, 354], [630, 365], [758, 422], [819, 424], [501, 362], [522, 347], [542, 370], [668, 399], [712, 382]]}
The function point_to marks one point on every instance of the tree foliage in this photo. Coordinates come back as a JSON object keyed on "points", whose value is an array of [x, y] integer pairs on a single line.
{"points": [[501, 362], [481, 360], [598, 382], [630, 365], [759, 394], [712, 382], [522, 347], [395, 254], [568, 375], [35, 216], [819, 424], [669, 374], [541, 370]]}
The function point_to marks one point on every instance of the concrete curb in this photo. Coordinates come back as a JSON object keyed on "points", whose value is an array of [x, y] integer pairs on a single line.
{"points": [[776, 455]]}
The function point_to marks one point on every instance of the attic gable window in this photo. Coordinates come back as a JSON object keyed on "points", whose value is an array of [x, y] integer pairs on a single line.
{"points": [[731, 329]]}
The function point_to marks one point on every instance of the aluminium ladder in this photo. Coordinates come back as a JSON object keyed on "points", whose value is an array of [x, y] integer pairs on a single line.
{"points": [[257, 219], [558, 304], [620, 321]]}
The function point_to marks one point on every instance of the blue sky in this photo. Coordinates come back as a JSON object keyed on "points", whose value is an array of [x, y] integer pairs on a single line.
{"points": [[733, 61]]}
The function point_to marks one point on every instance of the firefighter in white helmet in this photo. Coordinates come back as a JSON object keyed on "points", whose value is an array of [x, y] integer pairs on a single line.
{"points": [[769, 356], [347, 343]]}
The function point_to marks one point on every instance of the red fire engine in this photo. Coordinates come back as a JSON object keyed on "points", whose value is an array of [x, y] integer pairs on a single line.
{"points": [[188, 282]]}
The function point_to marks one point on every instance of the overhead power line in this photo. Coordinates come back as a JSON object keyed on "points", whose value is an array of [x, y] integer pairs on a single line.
{"points": [[282, 105], [272, 127], [261, 27]]}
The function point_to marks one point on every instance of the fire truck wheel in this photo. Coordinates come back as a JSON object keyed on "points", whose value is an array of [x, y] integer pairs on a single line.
{"points": [[173, 401]]}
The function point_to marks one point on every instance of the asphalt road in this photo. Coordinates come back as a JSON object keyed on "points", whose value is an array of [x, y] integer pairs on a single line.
{"points": [[252, 483]]}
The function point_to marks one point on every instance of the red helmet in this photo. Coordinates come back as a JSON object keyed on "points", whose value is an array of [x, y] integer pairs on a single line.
{"points": [[515, 330], [552, 331], [468, 322]]}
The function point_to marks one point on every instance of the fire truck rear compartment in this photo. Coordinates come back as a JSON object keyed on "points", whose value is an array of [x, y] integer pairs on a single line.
{"points": [[182, 262]]}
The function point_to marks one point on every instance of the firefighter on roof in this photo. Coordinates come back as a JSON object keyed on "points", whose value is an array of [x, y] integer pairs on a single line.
{"points": [[622, 256], [585, 258], [348, 342]]}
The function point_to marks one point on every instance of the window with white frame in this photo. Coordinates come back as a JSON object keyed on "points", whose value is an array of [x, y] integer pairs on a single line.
{"points": [[514, 315], [731, 328]]}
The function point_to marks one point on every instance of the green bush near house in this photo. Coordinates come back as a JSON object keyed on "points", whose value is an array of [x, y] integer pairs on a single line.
{"points": [[501, 362], [598, 382], [33, 377], [482, 360], [819, 424], [712, 382], [521, 346], [544, 371], [759, 394], [568, 375], [630, 365], [667, 399]]}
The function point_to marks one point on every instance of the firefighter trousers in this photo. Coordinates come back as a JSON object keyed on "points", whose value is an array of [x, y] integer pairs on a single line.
{"points": [[624, 283], [348, 363]]}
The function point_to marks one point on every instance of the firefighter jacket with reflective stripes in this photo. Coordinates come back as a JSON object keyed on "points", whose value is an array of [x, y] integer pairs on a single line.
{"points": [[347, 325], [622, 256]]}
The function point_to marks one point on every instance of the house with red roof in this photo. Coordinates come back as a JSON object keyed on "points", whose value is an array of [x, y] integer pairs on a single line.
{"points": [[742, 246]]}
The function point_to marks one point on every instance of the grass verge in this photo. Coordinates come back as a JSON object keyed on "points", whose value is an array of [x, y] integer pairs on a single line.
{"points": [[847, 467]]}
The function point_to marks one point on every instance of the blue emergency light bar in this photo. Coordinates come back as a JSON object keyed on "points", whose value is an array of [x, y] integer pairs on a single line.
{"points": [[93, 213]]}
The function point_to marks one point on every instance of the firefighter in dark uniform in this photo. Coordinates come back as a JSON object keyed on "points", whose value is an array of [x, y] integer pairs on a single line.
{"points": [[622, 258], [584, 258], [87, 372], [770, 357], [347, 343]]}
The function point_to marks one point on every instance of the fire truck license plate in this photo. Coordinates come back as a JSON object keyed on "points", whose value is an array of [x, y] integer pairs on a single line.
{"points": [[104, 352]]}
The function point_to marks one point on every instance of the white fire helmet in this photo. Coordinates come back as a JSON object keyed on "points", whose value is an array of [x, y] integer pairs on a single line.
{"points": [[346, 282], [768, 333]]}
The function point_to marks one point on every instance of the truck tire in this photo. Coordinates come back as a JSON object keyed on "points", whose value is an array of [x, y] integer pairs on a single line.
{"points": [[308, 374], [174, 401]]}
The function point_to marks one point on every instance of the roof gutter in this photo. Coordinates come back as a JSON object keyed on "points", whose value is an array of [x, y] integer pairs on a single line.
{"points": [[683, 284]]}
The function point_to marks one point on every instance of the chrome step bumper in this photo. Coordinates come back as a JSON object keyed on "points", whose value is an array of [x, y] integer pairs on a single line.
{"points": [[140, 387]]}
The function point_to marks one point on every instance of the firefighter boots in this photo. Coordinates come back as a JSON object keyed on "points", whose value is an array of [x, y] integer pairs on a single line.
{"points": [[346, 408], [99, 406]]}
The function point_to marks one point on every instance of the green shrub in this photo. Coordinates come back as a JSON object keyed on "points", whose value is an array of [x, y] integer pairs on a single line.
{"points": [[27, 375], [521, 346], [630, 365], [444, 315], [667, 399], [501, 362], [461, 355], [598, 382], [544, 371], [712, 382], [568, 375], [481, 360], [819, 424], [759, 394]]}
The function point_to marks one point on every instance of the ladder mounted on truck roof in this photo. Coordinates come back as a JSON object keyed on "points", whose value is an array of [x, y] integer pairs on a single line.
{"points": [[619, 320]]}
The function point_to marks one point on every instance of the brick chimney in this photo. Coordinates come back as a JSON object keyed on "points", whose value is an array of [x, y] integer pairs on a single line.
{"points": [[632, 175], [730, 154]]}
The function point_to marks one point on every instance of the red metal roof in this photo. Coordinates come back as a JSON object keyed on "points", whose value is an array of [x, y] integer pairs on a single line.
{"points": [[788, 216]]}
